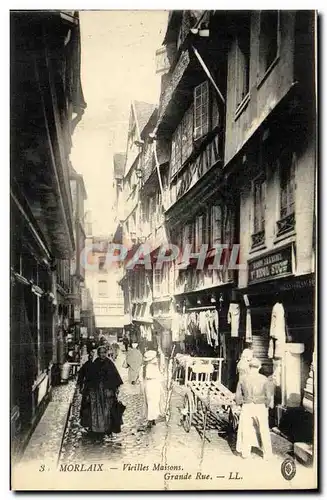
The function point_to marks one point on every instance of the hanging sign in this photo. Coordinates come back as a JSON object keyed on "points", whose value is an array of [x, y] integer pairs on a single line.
{"points": [[272, 265]]}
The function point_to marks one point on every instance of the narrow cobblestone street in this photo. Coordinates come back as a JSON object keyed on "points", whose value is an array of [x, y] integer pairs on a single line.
{"points": [[164, 444]]}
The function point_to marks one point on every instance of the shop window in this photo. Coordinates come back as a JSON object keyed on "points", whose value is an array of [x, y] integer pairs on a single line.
{"points": [[287, 192], [243, 60], [269, 39], [259, 208], [103, 288], [201, 110]]}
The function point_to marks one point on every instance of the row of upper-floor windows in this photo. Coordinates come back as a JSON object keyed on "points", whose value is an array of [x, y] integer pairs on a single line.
{"points": [[269, 45], [103, 289], [201, 117], [286, 167]]}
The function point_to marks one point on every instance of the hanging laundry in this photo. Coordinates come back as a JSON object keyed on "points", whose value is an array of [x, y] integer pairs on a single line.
{"points": [[175, 327], [277, 324], [248, 327], [213, 333], [202, 322], [277, 372], [215, 315], [278, 329], [234, 318], [206, 315], [271, 349], [149, 334]]}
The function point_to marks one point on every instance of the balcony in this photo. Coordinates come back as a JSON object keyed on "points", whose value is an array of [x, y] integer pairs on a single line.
{"points": [[258, 239], [286, 224]]}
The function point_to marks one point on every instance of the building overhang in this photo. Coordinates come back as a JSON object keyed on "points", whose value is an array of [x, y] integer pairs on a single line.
{"points": [[178, 94], [188, 204]]}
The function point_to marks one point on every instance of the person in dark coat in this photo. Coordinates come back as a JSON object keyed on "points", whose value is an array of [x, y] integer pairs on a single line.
{"points": [[83, 381], [104, 384], [125, 342]]}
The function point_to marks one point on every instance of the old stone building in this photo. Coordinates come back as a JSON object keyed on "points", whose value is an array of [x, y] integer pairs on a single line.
{"points": [[47, 103], [236, 186]]}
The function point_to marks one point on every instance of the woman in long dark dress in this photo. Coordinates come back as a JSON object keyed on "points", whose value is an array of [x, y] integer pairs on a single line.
{"points": [[84, 378], [104, 383]]}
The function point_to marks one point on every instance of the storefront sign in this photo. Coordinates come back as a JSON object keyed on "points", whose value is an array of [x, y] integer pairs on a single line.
{"points": [[271, 266]]}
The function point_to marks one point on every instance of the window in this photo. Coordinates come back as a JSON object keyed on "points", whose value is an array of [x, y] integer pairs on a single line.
{"points": [[176, 151], [269, 39], [287, 183], [199, 223], [157, 281], [259, 198], [189, 236], [216, 224], [103, 288], [187, 134], [287, 192], [201, 110], [101, 263], [243, 60]]}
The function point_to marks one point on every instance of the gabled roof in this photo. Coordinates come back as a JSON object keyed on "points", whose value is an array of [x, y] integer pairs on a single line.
{"points": [[119, 165], [143, 112]]}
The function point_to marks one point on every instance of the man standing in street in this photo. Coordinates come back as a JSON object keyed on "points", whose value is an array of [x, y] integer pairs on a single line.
{"points": [[254, 393]]}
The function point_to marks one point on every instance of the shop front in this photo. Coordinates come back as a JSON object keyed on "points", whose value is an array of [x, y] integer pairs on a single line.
{"points": [[163, 330], [210, 326], [280, 308], [142, 321]]}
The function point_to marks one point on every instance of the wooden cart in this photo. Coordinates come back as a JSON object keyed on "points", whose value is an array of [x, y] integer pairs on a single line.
{"points": [[209, 404]]}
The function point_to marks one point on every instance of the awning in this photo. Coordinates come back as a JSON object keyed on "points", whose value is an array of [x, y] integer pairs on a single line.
{"points": [[146, 321]]}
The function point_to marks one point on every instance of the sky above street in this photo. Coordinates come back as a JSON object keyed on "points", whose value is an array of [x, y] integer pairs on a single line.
{"points": [[118, 65]]}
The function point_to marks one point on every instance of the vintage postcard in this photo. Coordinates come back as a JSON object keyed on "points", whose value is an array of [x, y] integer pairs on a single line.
{"points": [[163, 250]]}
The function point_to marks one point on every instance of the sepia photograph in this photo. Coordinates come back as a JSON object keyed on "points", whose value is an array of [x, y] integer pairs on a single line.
{"points": [[163, 201]]}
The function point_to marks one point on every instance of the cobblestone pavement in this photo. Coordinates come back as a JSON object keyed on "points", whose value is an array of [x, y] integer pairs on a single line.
{"points": [[51, 425], [163, 443]]}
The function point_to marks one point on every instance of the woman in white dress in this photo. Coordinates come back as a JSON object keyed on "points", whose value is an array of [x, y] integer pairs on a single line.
{"points": [[152, 387]]}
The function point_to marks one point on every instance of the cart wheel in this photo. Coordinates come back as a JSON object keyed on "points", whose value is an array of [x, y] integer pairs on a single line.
{"points": [[232, 420], [188, 417]]}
